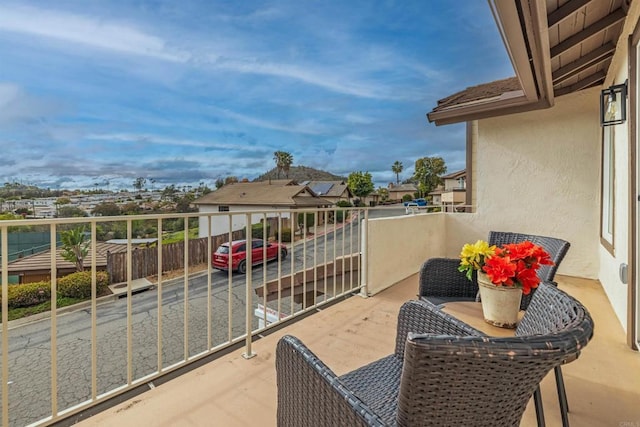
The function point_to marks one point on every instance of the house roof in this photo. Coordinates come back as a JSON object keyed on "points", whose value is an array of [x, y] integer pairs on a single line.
{"points": [[264, 193], [498, 88], [42, 261], [555, 47], [403, 187], [455, 175], [329, 188]]}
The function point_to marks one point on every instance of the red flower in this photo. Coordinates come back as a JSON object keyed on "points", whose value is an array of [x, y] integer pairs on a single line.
{"points": [[500, 270], [515, 264]]}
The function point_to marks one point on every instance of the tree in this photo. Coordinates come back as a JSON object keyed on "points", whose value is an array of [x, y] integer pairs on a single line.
{"points": [[219, 183], [106, 209], [63, 201], [75, 246], [427, 173], [230, 180], [397, 169], [384, 194], [139, 183], [283, 160], [70, 212], [360, 183], [169, 192]]}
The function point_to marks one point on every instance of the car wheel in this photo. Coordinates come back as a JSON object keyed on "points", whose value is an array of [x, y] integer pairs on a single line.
{"points": [[242, 267], [283, 253]]}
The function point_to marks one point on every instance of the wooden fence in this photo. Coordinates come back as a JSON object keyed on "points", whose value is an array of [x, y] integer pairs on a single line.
{"points": [[144, 261]]}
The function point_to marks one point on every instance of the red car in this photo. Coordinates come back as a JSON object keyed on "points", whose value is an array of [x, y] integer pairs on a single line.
{"points": [[220, 258]]}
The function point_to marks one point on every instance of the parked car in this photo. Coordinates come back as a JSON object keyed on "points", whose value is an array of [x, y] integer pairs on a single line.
{"points": [[411, 207], [220, 258], [416, 202]]}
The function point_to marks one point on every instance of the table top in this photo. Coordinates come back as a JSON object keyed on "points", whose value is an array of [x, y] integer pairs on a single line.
{"points": [[471, 313]]}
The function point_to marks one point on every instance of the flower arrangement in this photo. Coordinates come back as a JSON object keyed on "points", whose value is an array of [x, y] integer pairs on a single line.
{"points": [[513, 264]]}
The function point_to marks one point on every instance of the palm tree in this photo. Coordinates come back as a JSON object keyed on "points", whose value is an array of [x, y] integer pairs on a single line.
{"points": [[75, 247], [397, 169], [283, 161]]}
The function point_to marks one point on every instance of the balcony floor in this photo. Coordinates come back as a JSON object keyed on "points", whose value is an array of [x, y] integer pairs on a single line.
{"points": [[603, 385]]}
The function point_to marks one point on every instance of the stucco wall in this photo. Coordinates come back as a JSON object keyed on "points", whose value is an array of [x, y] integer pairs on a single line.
{"points": [[616, 291], [538, 172], [397, 247], [220, 222]]}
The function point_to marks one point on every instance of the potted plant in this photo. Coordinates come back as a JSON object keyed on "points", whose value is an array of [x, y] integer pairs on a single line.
{"points": [[504, 274]]}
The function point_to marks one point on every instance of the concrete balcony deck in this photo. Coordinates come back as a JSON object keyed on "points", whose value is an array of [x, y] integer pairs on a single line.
{"points": [[603, 385]]}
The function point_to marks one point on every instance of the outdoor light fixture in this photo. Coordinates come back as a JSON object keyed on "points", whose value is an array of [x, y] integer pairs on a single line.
{"points": [[613, 105]]}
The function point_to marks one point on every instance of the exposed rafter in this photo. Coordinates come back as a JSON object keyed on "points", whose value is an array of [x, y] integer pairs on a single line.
{"points": [[565, 11], [593, 79], [606, 22], [592, 58]]}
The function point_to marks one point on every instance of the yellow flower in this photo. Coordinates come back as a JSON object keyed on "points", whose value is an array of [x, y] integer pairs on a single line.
{"points": [[473, 255]]}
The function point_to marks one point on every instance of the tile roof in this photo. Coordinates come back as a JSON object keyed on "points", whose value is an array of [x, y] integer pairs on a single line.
{"points": [[480, 92], [403, 187], [42, 260], [263, 193], [455, 175]]}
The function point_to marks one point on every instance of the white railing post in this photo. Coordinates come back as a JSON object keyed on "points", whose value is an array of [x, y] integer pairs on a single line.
{"points": [[54, 324], [5, 326], [364, 255], [248, 354]]}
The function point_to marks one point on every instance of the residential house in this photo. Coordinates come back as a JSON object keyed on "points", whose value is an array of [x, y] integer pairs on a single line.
{"points": [[37, 267], [398, 191], [453, 191], [333, 191], [271, 196], [538, 158]]}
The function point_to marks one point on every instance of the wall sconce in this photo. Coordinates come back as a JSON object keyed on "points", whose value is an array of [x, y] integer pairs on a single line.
{"points": [[613, 105]]}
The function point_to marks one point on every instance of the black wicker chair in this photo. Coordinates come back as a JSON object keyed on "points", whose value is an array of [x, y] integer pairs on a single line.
{"points": [[443, 372], [441, 282]]}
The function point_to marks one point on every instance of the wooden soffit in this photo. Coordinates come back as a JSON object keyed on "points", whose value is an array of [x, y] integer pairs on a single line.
{"points": [[556, 47]]}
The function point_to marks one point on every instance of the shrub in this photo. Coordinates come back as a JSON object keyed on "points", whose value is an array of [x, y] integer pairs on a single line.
{"points": [[407, 198], [343, 204], [78, 285], [286, 234], [29, 294], [257, 230]]}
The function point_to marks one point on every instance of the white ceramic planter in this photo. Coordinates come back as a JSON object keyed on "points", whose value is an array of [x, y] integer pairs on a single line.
{"points": [[500, 304]]}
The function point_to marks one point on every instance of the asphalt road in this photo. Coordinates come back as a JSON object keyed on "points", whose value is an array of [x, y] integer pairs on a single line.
{"points": [[30, 344]]}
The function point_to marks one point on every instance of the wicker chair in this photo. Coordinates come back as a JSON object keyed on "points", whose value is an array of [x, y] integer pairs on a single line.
{"points": [[443, 372], [440, 280]]}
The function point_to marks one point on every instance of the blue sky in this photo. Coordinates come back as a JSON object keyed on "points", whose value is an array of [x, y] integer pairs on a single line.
{"points": [[187, 91]]}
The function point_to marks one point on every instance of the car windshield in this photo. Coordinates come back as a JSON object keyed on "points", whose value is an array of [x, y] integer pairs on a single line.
{"points": [[224, 249]]}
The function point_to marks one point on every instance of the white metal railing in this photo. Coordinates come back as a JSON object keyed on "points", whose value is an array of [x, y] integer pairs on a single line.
{"points": [[58, 364]]}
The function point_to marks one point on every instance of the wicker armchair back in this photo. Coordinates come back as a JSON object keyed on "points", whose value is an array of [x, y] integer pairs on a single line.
{"points": [[440, 281]]}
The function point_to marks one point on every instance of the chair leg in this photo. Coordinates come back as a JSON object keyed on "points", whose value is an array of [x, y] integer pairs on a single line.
{"points": [[537, 401], [562, 397]]}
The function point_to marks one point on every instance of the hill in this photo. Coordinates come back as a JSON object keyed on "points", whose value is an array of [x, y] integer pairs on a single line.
{"points": [[301, 173]]}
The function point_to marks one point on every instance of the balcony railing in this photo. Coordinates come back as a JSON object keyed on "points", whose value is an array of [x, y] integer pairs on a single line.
{"points": [[66, 360]]}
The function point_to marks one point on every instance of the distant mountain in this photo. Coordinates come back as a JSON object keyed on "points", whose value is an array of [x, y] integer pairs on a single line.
{"points": [[301, 173]]}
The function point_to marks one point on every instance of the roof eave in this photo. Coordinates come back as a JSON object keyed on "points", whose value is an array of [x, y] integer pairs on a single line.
{"points": [[528, 50], [465, 113]]}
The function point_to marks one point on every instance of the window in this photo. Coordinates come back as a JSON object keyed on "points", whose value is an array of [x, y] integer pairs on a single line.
{"points": [[608, 188], [223, 208]]}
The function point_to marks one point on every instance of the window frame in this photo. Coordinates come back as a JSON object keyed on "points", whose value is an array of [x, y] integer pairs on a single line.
{"points": [[607, 190]]}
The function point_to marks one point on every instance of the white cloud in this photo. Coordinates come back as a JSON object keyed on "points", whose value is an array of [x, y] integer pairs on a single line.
{"points": [[17, 106], [85, 30], [161, 140]]}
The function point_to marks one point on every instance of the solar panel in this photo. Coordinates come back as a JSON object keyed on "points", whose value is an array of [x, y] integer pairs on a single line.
{"points": [[322, 188]]}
